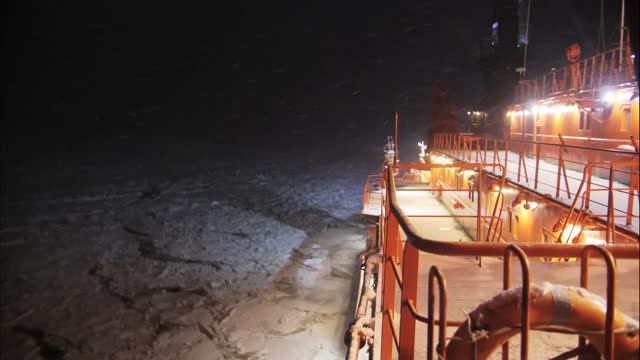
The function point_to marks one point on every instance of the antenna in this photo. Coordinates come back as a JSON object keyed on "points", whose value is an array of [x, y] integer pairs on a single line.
{"points": [[621, 35], [526, 44], [600, 44]]}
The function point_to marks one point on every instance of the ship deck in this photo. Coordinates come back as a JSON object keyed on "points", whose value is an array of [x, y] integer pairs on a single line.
{"points": [[471, 280]]}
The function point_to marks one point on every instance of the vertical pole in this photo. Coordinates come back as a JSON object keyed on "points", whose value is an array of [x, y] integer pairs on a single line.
{"points": [[409, 293], [588, 173], [506, 153], [484, 161], [526, 44], [506, 284], [621, 35], [535, 131], [611, 220], [389, 287], [479, 217], [633, 190], [535, 183], [395, 140]]}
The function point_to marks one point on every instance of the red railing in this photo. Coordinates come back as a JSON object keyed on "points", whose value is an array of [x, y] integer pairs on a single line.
{"points": [[401, 264], [598, 170], [371, 185], [588, 74]]}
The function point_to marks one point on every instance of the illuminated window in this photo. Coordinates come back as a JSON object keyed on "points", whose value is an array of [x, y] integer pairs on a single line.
{"points": [[585, 120], [625, 120]]}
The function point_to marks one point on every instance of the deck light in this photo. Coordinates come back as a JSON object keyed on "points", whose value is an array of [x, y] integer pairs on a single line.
{"points": [[593, 241], [609, 97], [530, 205]]}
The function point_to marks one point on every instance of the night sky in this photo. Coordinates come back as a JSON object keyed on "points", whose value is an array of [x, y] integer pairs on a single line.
{"points": [[267, 69]]}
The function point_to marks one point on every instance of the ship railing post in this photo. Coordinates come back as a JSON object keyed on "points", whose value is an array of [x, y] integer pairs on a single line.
{"points": [[612, 68], [521, 163], [601, 69], [484, 161], [525, 300], [611, 293], [436, 275], [479, 211], [561, 167], [611, 219], [593, 71], [583, 79], [389, 286], [506, 153], [454, 138], [633, 188], [535, 182], [627, 63], [410, 265], [464, 147], [496, 158], [588, 173]]}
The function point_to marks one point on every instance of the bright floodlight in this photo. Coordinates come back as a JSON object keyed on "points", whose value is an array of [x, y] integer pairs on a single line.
{"points": [[608, 97]]}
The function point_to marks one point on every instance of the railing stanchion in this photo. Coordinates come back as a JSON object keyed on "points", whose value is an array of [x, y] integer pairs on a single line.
{"points": [[389, 279], [434, 274], [611, 219], [525, 301], [611, 292], [410, 272], [535, 183]]}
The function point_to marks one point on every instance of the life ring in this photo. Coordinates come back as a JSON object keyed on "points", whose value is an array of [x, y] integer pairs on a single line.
{"points": [[551, 307]]}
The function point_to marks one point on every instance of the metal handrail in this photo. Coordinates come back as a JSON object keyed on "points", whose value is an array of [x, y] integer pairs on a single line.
{"points": [[626, 168], [588, 74], [627, 251]]}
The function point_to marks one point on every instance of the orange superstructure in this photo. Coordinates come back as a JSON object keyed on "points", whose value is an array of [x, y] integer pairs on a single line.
{"points": [[592, 103]]}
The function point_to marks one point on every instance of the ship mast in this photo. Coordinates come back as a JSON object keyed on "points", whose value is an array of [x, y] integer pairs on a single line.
{"points": [[621, 35], [526, 44]]}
